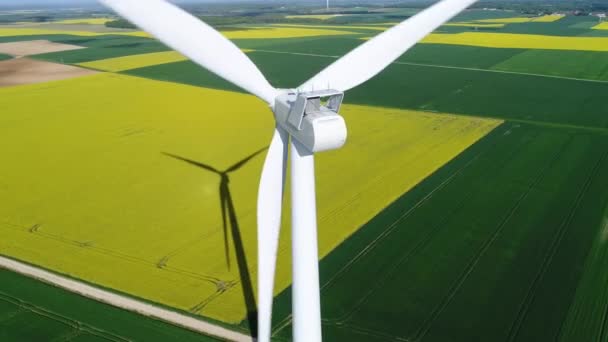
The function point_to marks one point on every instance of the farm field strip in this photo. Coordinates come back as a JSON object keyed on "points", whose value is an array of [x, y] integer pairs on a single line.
{"points": [[130, 62], [261, 32], [588, 65], [89, 21], [117, 64], [122, 301], [587, 319], [541, 19], [68, 328], [447, 67], [33, 310], [34, 47], [601, 26], [552, 250]]}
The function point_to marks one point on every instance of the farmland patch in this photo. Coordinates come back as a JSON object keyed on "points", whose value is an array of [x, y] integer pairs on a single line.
{"points": [[601, 26], [26, 71], [34, 47], [578, 64], [33, 311], [134, 61], [117, 190]]}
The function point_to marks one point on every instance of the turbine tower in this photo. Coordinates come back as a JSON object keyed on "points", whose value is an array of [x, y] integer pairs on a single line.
{"points": [[304, 121]]}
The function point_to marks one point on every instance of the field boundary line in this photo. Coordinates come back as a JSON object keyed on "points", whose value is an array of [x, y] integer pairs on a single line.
{"points": [[430, 65], [421, 242], [551, 251], [123, 302], [428, 237]]}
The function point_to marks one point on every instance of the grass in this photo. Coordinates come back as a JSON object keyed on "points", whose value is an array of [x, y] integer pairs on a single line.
{"points": [[117, 182], [5, 57], [498, 237], [34, 311], [520, 41], [578, 64]]}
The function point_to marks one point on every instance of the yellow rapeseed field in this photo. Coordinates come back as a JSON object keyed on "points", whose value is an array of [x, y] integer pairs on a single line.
{"points": [[90, 21], [520, 41], [601, 26], [134, 61], [547, 18], [469, 24], [515, 20], [87, 188]]}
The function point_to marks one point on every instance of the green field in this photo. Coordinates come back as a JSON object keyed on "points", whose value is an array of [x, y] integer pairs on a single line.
{"points": [[491, 247], [31, 311]]}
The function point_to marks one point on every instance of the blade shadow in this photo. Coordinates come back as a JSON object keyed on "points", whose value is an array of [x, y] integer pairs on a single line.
{"points": [[229, 217]]}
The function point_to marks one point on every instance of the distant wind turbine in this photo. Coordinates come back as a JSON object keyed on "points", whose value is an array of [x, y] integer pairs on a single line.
{"points": [[303, 121]]}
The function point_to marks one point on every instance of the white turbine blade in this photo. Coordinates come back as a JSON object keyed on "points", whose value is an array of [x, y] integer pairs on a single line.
{"points": [[270, 200], [368, 59], [195, 40]]}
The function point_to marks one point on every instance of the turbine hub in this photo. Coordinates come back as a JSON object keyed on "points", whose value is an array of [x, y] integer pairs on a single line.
{"points": [[312, 118]]}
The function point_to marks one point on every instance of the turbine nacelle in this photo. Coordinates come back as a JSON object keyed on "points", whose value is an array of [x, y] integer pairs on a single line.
{"points": [[312, 118]]}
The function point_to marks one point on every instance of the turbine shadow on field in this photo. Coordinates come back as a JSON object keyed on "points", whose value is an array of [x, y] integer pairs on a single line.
{"points": [[229, 217]]}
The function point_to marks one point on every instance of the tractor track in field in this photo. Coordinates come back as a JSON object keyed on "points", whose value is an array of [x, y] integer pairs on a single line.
{"points": [[425, 239], [123, 302], [552, 250], [36, 230], [77, 327], [421, 333]]}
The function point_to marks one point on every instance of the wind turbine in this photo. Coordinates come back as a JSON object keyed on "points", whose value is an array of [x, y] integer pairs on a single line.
{"points": [[303, 121]]}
